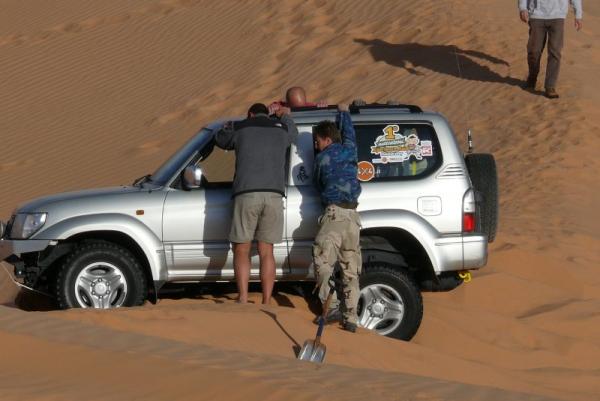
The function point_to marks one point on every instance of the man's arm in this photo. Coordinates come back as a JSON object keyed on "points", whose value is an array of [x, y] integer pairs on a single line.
{"points": [[344, 122], [224, 138], [292, 131], [524, 10], [578, 7]]}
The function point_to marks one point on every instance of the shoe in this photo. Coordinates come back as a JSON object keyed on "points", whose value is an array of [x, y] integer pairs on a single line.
{"points": [[351, 327], [551, 93], [333, 316]]}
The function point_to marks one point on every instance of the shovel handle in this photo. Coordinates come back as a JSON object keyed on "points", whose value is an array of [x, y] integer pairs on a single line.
{"points": [[320, 330], [323, 316]]}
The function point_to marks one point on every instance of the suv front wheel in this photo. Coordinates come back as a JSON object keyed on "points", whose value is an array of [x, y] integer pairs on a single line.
{"points": [[100, 275], [390, 302]]}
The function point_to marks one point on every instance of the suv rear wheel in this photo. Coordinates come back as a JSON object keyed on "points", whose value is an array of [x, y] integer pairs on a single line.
{"points": [[390, 302], [100, 275]]}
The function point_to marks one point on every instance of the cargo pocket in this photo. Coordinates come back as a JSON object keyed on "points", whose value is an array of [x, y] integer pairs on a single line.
{"points": [[357, 220]]}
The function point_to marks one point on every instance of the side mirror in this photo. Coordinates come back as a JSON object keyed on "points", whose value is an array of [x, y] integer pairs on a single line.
{"points": [[2, 229], [192, 177]]}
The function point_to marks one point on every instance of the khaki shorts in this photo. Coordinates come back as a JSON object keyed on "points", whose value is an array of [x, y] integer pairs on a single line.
{"points": [[257, 216]]}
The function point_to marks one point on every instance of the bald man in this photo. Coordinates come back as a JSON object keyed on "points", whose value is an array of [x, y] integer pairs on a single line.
{"points": [[294, 97]]}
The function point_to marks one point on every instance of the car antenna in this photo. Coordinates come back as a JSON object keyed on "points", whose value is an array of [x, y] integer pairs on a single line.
{"points": [[470, 141], [469, 135]]}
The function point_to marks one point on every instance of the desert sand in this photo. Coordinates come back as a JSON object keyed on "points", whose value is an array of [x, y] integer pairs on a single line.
{"points": [[97, 93]]}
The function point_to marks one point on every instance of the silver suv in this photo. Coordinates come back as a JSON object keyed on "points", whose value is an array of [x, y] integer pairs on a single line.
{"points": [[427, 215]]}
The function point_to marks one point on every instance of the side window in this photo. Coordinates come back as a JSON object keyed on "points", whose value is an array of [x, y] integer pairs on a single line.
{"points": [[389, 152], [218, 167], [302, 157]]}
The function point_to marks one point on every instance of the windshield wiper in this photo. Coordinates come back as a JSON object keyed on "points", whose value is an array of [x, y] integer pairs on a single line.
{"points": [[142, 180]]}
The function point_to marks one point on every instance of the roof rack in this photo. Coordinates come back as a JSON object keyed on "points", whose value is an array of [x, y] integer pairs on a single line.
{"points": [[358, 105], [313, 108]]}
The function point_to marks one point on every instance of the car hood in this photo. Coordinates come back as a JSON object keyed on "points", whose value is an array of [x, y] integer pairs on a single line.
{"points": [[40, 204]]}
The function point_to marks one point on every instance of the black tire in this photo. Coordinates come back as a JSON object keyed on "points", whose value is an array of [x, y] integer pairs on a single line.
{"points": [[91, 252], [406, 288], [484, 177]]}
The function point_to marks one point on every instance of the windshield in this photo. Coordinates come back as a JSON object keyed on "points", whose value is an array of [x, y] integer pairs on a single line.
{"points": [[175, 162]]}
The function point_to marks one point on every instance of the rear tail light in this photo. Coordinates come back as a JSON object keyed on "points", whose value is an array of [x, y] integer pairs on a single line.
{"points": [[469, 212], [468, 222]]}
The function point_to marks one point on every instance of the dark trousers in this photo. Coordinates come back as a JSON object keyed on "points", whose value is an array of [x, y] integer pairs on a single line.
{"points": [[541, 30]]}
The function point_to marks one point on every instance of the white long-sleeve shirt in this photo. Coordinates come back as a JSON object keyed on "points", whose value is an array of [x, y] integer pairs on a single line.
{"points": [[550, 9]]}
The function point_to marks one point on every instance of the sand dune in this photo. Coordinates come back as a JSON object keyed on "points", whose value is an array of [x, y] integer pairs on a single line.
{"points": [[98, 93], [192, 366]]}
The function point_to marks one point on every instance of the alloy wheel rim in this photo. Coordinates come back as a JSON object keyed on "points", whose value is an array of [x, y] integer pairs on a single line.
{"points": [[100, 285], [380, 308]]}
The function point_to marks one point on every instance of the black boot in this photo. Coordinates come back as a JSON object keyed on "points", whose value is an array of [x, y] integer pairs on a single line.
{"points": [[351, 327], [333, 316]]}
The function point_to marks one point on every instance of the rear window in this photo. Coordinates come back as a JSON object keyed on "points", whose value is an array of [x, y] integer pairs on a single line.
{"points": [[389, 152]]}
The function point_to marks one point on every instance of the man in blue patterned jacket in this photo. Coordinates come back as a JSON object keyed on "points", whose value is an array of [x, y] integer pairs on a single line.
{"points": [[338, 239]]}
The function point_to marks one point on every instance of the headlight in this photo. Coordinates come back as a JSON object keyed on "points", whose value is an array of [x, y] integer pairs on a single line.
{"points": [[25, 225]]}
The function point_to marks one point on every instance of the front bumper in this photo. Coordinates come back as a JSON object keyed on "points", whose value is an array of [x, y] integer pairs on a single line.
{"points": [[9, 248]]}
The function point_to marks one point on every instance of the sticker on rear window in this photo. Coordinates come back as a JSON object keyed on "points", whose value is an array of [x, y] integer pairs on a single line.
{"points": [[366, 171], [393, 147]]}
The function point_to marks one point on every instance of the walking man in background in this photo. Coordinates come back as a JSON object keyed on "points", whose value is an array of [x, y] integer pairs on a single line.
{"points": [[546, 20], [260, 145], [338, 239]]}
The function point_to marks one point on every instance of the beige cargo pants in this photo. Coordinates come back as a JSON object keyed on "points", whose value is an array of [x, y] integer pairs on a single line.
{"points": [[338, 240]]}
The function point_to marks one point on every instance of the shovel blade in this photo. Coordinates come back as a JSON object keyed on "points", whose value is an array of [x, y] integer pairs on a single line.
{"points": [[312, 352]]}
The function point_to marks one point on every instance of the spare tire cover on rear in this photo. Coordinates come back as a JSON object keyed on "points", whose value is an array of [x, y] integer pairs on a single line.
{"points": [[484, 177]]}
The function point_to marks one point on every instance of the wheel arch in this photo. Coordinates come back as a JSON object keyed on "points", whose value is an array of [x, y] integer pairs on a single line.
{"points": [[393, 246], [120, 229], [399, 225], [121, 239]]}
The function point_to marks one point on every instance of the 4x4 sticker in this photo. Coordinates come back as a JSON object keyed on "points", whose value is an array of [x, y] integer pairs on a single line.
{"points": [[366, 171], [393, 147]]}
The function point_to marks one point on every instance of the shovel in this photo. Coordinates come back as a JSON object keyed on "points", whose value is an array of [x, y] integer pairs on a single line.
{"points": [[314, 350]]}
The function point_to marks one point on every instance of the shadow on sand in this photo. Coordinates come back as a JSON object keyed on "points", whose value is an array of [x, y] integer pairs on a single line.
{"points": [[296, 347], [224, 292], [218, 293], [442, 59]]}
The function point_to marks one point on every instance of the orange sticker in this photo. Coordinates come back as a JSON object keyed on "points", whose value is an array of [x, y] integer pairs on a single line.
{"points": [[366, 171]]}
